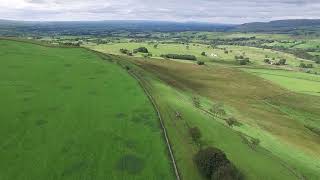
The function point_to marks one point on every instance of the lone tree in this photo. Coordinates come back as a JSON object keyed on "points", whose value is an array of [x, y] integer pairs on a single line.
{"points": [[203, 54], [214, 164], [196, 135]]}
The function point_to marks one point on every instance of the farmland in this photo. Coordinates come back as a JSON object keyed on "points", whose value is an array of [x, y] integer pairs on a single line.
{"points": [[84, 114], [65, 115]]}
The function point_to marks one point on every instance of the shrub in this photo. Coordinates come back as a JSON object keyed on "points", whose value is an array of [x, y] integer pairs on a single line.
{"points": [[195, 134], [309, 65], [267, 61], [213, 164], [124, 51], [141, 50], [179, 56], [243, 62], [200, 62], [282, 61], [232, 121], [218, 109], [196, 102], [302, 65], [203, 54]]}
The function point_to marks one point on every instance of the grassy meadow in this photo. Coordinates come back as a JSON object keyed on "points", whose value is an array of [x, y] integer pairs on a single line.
{"points": [[287, 149], [65, 115], [292, 80]]}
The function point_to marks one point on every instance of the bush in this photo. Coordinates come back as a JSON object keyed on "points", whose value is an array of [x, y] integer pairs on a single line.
{"points": [[203, 54], [243, 62], [309, 65], [213, 164], [179, 56], [124, 51], [195, 134], [232, 121], [200, 63], [141, 50], [218, 109], [282, 61], [267, 61]]}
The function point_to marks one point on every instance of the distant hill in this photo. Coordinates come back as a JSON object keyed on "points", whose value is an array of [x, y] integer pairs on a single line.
{"points": [[102, 27], [281, 26]]}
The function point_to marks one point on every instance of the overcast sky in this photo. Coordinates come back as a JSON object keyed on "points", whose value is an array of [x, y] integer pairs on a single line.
{"points": [[215, 11]]}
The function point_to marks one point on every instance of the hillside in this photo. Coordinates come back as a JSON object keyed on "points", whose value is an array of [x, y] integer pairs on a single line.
{"points": [[280, 26], [67, 116]]}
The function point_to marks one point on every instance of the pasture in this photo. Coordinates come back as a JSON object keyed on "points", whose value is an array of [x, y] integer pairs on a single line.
{"points": [[275, 116], [65, 115], [291, 80]]}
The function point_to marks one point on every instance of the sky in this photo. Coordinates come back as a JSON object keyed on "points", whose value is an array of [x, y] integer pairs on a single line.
{"points": [[213, 11]]}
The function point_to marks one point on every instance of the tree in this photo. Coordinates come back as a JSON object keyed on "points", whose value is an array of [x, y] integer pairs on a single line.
{"points": [[232, 121], [195, 134], [200, 63], [302, 65], [203, 54], [141, 50], [155, 46], [218, 109], [196, 102], [282, 61], [214, 164], [309, 66]]}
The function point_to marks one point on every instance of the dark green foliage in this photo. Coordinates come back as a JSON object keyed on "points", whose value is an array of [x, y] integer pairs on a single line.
{"points": [[200, 62], [196, 102], [266, 60], [218, 109], [282, 61], [195, 134], [214, 164], [203, 54], [180, 56], [141, 50], [125, 51], [232, 121], [303, 65]]}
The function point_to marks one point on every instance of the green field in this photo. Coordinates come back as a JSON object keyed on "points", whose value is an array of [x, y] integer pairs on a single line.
{"points": [[267, 112], [295, 81], [256, 55], [65, 115]]}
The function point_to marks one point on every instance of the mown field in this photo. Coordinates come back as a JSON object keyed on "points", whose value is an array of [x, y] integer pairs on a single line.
{"points": [[65, 114], [292, 80], [288, 149]]}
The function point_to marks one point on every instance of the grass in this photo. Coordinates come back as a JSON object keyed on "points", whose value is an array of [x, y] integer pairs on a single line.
{"points": [[292, 80], [65, 115], [256, 55], [268, 112]]}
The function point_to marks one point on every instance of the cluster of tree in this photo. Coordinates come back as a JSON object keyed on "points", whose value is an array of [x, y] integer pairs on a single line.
{"points": [[281, 61], [303, 65], [74, 44], [214, 165], [180, 56], [141, 50], [242, 60], [126, 51], [200, 63]]}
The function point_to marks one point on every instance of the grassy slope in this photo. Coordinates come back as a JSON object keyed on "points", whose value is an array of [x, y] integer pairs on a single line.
{"points": [[256, 55], [267, 112], [65, 115], [295, 81]]}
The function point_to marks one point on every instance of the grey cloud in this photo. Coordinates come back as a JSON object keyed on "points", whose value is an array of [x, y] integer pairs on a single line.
{"points": [[221, 11]]}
